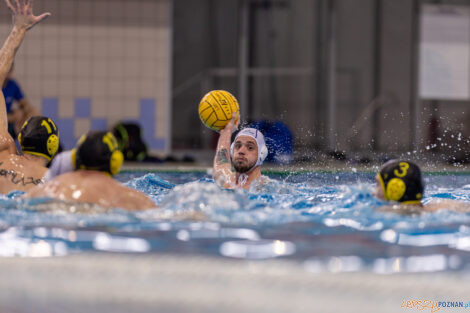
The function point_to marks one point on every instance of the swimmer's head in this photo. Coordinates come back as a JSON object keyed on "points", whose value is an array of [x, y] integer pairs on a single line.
{"points": [[39, 136], [400, 181], [98, 151], [248, 150]]}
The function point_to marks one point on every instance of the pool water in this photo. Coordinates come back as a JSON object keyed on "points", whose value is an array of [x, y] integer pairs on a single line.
{"points": [[326, 221]]}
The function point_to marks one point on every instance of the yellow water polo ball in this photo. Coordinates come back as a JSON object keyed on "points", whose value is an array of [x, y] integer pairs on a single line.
{"points": [[216, 108]]}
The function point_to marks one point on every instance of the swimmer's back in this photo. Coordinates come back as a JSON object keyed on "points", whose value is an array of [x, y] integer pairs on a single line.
{"points": [[18, 173], [93, 187], [434, 205]]}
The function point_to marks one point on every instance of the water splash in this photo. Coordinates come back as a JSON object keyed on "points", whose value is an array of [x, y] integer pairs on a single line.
{"points": [[335, 214]]}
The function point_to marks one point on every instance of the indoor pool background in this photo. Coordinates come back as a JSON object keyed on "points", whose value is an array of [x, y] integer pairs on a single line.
{"points": [[326, 220]]}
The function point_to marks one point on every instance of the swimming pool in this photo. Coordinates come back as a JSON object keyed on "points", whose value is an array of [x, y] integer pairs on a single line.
{"points": [[327, 221]]}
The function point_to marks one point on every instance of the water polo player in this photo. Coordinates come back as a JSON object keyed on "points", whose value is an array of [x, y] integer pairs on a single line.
{"points": [[246, 154], [93, 162], [39, 136], [401, 181], [96, 151]]}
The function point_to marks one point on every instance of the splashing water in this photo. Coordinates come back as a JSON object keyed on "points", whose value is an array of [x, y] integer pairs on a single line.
{"points": [[328, 220]]}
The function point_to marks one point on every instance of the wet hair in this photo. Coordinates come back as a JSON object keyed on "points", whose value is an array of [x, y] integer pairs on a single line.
{"points": [[401, 181], [98, 151], [39, 136]]}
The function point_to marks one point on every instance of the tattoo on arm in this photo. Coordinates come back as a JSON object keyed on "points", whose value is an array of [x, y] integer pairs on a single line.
{"points": [[222, 156]]}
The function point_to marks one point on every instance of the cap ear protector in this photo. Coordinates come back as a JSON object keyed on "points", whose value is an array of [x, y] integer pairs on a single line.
{"points": [[123, 138], [401, 181], [117, 158], [263, 153], [98, 151], [115, 163], [395, 189], [39, 136]]}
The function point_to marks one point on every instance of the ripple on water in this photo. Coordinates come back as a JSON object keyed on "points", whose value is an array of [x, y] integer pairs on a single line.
{"points": [[274, 216]]}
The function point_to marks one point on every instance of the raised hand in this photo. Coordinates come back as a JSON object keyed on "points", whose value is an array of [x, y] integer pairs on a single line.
{"points": [[23, 19], [232, 125], [22, 12]]}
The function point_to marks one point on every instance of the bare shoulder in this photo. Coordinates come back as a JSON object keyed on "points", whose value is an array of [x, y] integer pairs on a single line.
{"points": [[433, 206], [447, 204], [19, 173], [7, 144], [87, 181], [4, 155], [93, 187], [402, 209], [114, 194], [263, 180], [59, 186]]}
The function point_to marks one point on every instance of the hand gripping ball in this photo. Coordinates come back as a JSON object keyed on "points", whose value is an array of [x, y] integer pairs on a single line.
{"points": [[216, 108]]}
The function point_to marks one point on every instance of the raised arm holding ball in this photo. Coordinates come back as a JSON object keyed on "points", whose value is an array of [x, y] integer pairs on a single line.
{"points": [[222, 168], [238, 164]]}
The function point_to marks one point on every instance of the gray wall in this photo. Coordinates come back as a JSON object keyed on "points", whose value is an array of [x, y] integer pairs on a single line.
{"points": [[374, 59], [355, 31], [205, 37], [396, 72]]}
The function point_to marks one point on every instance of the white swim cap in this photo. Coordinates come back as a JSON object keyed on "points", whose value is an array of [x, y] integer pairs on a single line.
{"points": [[259, 138]]}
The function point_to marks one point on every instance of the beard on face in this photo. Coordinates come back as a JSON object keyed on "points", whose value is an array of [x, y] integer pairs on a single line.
{"points": [[242, 167]]}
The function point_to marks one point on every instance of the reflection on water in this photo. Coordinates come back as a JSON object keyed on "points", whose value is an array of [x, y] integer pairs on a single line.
{"points": [[216, 233], [13, 243], [394, 265], [257, 249], [106, 242], [330, 222], [334, 264]]}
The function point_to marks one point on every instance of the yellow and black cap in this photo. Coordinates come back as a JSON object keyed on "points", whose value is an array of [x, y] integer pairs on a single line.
{"points": [[98, 151], [39, 136], [401, 181]]}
